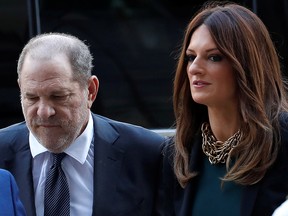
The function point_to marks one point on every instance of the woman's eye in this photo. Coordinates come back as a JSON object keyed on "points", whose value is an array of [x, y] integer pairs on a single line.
{"points": [[216, 58], [190, 58]]}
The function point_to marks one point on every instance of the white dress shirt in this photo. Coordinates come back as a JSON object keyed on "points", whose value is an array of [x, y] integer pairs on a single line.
{"points": [[77, 166], [282, 210]]}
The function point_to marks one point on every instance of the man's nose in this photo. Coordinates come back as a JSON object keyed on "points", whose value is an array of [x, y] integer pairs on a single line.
{"points": [[45, 109]]}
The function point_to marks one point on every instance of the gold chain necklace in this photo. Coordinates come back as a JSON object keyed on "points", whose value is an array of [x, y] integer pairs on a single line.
{"points": [[217, 151]]}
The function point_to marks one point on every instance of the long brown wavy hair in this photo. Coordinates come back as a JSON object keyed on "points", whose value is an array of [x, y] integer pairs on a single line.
{"points": [[245, 41]]}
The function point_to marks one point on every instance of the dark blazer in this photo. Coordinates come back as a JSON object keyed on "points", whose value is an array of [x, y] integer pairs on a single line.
{"points": [[260, 199], [127, 163], [10, 203]]}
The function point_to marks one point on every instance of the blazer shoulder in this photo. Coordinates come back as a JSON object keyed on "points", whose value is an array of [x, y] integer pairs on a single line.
{"points": [[130, 135], [283, 120], [13, 138], [10, 203], [131, 130], [17, 128], [5, 176]]}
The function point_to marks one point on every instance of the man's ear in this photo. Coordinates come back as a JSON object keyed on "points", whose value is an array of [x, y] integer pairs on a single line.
{"points": [[93, 86]]}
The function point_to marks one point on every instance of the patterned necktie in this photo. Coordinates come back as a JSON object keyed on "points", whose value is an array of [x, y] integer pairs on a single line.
{"points": [[56, 195]]}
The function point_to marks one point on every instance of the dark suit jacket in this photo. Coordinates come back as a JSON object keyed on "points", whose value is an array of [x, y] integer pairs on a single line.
{"points": [[259, 199], [127, 163], [10, 203]]}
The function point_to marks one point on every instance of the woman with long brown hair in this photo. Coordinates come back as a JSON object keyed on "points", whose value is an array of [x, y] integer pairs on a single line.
{"points": [[229, 154]]}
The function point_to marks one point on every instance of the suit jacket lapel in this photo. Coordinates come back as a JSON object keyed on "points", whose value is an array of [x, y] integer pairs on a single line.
{"points": [[183, 205], [22, 172], [107, 163], [21, 167], [248, 199]]}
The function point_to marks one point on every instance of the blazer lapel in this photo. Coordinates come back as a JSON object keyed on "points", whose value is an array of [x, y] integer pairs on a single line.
{"points": [[22, 171], [184, 198], [107, 163], [248, 199]]}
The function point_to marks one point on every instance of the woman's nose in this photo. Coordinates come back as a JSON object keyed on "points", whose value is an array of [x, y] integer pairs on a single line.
{"points": [[195, 67]]}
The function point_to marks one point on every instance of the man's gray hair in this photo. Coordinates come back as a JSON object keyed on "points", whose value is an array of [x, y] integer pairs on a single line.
{"points": [[47, 45]]}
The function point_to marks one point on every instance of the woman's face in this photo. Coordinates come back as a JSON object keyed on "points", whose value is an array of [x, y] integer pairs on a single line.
{"points": [[211, 76]]}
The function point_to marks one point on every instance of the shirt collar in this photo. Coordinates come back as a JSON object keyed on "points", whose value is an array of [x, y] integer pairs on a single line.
{"points": [[77, 150]]}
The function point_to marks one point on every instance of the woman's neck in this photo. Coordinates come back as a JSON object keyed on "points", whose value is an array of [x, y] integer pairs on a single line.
{"points": [[224, 123]]}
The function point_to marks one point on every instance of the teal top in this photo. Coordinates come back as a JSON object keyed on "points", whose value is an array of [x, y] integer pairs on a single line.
{"points": [[211, 198]]}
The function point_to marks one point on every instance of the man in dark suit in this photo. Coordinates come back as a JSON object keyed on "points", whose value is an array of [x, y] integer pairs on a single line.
{"points": [[112, 168]]}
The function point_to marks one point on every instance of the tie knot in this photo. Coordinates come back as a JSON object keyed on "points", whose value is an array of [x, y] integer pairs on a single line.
{"points": [[57, 158]]}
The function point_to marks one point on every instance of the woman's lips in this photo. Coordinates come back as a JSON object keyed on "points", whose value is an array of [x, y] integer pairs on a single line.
{"points": [[200, 83]]}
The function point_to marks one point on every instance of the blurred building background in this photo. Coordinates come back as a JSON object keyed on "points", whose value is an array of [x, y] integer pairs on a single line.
{"points": [[134, 44]]}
